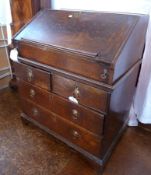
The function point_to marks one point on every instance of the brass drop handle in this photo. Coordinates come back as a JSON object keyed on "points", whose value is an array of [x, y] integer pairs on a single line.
{"points": [[75, 114], [76, 135], [32, 93], [76, 92], [35, 112], [104, 75], [29, 75]]}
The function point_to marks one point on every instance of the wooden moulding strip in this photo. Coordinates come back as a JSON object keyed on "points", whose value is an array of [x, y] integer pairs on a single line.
{"points": [[5, 75], [4, 69], [4, 72], [3, 46], [4, 40]]}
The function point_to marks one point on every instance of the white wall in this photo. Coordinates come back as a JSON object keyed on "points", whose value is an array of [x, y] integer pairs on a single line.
{"points": [[5, 33], [5, 12], [134, 6]]}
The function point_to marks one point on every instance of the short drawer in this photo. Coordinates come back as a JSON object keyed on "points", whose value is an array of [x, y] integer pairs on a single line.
{"points": [[72, 133], [33, 75], [78, 114], [84, 94], [35, 94]]}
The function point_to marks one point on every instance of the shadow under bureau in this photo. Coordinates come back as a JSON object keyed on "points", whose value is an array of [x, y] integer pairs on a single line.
{"points": [[77, 72]]}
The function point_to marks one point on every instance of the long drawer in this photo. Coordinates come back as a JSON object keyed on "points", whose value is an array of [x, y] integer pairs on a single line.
{"points": [[78, 114], [75, 113], [84, 94], [74, 134], [33, 75]]}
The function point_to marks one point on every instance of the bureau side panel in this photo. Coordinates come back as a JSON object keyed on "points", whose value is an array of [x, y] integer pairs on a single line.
{"points": [[120, 103], [133, 50]]}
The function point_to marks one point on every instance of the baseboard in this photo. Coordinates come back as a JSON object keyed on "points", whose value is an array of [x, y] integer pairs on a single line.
{"points": [[5, 75], [145, 126], [4, 68]]}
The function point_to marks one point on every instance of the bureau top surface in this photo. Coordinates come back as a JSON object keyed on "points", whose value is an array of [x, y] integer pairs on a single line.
{"points": [[97, 35]]}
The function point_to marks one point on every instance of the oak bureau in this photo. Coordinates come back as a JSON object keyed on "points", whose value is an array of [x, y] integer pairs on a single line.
{"points": [[77, 72]]}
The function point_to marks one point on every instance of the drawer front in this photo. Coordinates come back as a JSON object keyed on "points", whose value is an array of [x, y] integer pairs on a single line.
{"points": [[77, 114], [35, 94], [74, 134], [67, 61], [84, 94], [33, 75]]}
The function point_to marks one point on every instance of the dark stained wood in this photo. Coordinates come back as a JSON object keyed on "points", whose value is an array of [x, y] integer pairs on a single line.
{"points": [[98, 44], [134, 147], [120, 103], [111, 46], [77, 114], [84, 117], [35, 94], [73, 133], [22, 12], [100, 85], [133, 48], [88, 62], [62, 60], [33, 75], [36, 6], [86, 95], [44, 154]]}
